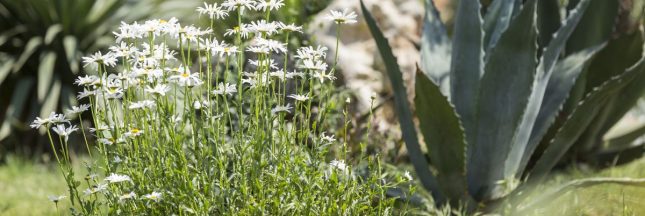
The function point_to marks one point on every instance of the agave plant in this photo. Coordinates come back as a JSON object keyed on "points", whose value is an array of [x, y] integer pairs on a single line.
{"points": [[487, 97]]}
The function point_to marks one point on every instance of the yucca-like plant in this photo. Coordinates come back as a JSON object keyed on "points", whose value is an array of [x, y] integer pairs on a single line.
{"points": [[41, 43], [487, 97]]}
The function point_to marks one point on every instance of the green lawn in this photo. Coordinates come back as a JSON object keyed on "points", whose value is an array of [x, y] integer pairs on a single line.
{"points": [[605, 199], [24, 187]]}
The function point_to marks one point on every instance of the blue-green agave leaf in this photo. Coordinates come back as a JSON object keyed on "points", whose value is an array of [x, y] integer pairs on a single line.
{"points": [[543, 74], [435, 49], [503, 98], [548, 20], [557, 91], [467, 64], [580, 119], [498, 16], [443, 135], [402, 107], [596, 25]]}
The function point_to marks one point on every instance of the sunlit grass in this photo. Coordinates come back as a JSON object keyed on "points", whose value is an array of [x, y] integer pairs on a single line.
{"points": [[25, 186], [597, 200]]}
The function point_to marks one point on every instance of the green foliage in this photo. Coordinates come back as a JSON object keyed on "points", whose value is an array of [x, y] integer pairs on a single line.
{"points": [[508, 84], [40, 46]]}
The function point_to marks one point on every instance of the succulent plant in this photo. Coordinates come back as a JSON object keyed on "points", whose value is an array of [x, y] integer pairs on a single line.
{"points": [[515, 90]]}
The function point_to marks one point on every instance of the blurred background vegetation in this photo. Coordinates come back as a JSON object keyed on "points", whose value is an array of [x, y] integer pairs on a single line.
{"points": [[42, 41]]}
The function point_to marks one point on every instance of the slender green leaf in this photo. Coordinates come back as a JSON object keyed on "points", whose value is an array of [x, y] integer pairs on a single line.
{"points": [[443, 135], [402, 108], [624, 137], [30, 48], [435, 49], [70, 44], [52, 31], [7, 34], [5, 68], [580, 119], [503, 97], [17, 106], [51, 102], [45, 74]]}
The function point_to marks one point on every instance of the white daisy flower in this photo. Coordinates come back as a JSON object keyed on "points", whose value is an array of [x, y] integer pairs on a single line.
{"points": [[273, 45], [142, 104], [116, 178], [272, 64], [53, 118], [263, 5], [95, 189], [160, 89], [342, 17], [313, 53], [100, 128], [339, 164], [315, 65], [134, 132], [55, 198], [186, 79], [244, 31], [279, 109], [290, 28], [78, 109], [85, 93], [258, 50], [225, 88], [407, 175], [127, 196], [98, 58], [326, 138], [322, 75], [123, 50], [154, 196], [298, 97], [262, 26], [63, 131], [117, 159], [213, 11], [87, 80], [235, 4]]}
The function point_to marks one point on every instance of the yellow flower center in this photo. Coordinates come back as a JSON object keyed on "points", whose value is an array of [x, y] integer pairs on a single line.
{"points": [[185, 75], [135, 130]]}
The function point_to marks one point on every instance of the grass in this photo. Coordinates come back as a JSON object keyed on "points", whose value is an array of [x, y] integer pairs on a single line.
{"points": [[26, 185], [603, 199]]}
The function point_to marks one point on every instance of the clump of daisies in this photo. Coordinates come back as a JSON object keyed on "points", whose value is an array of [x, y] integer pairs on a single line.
{"points": [[186, 123]]}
